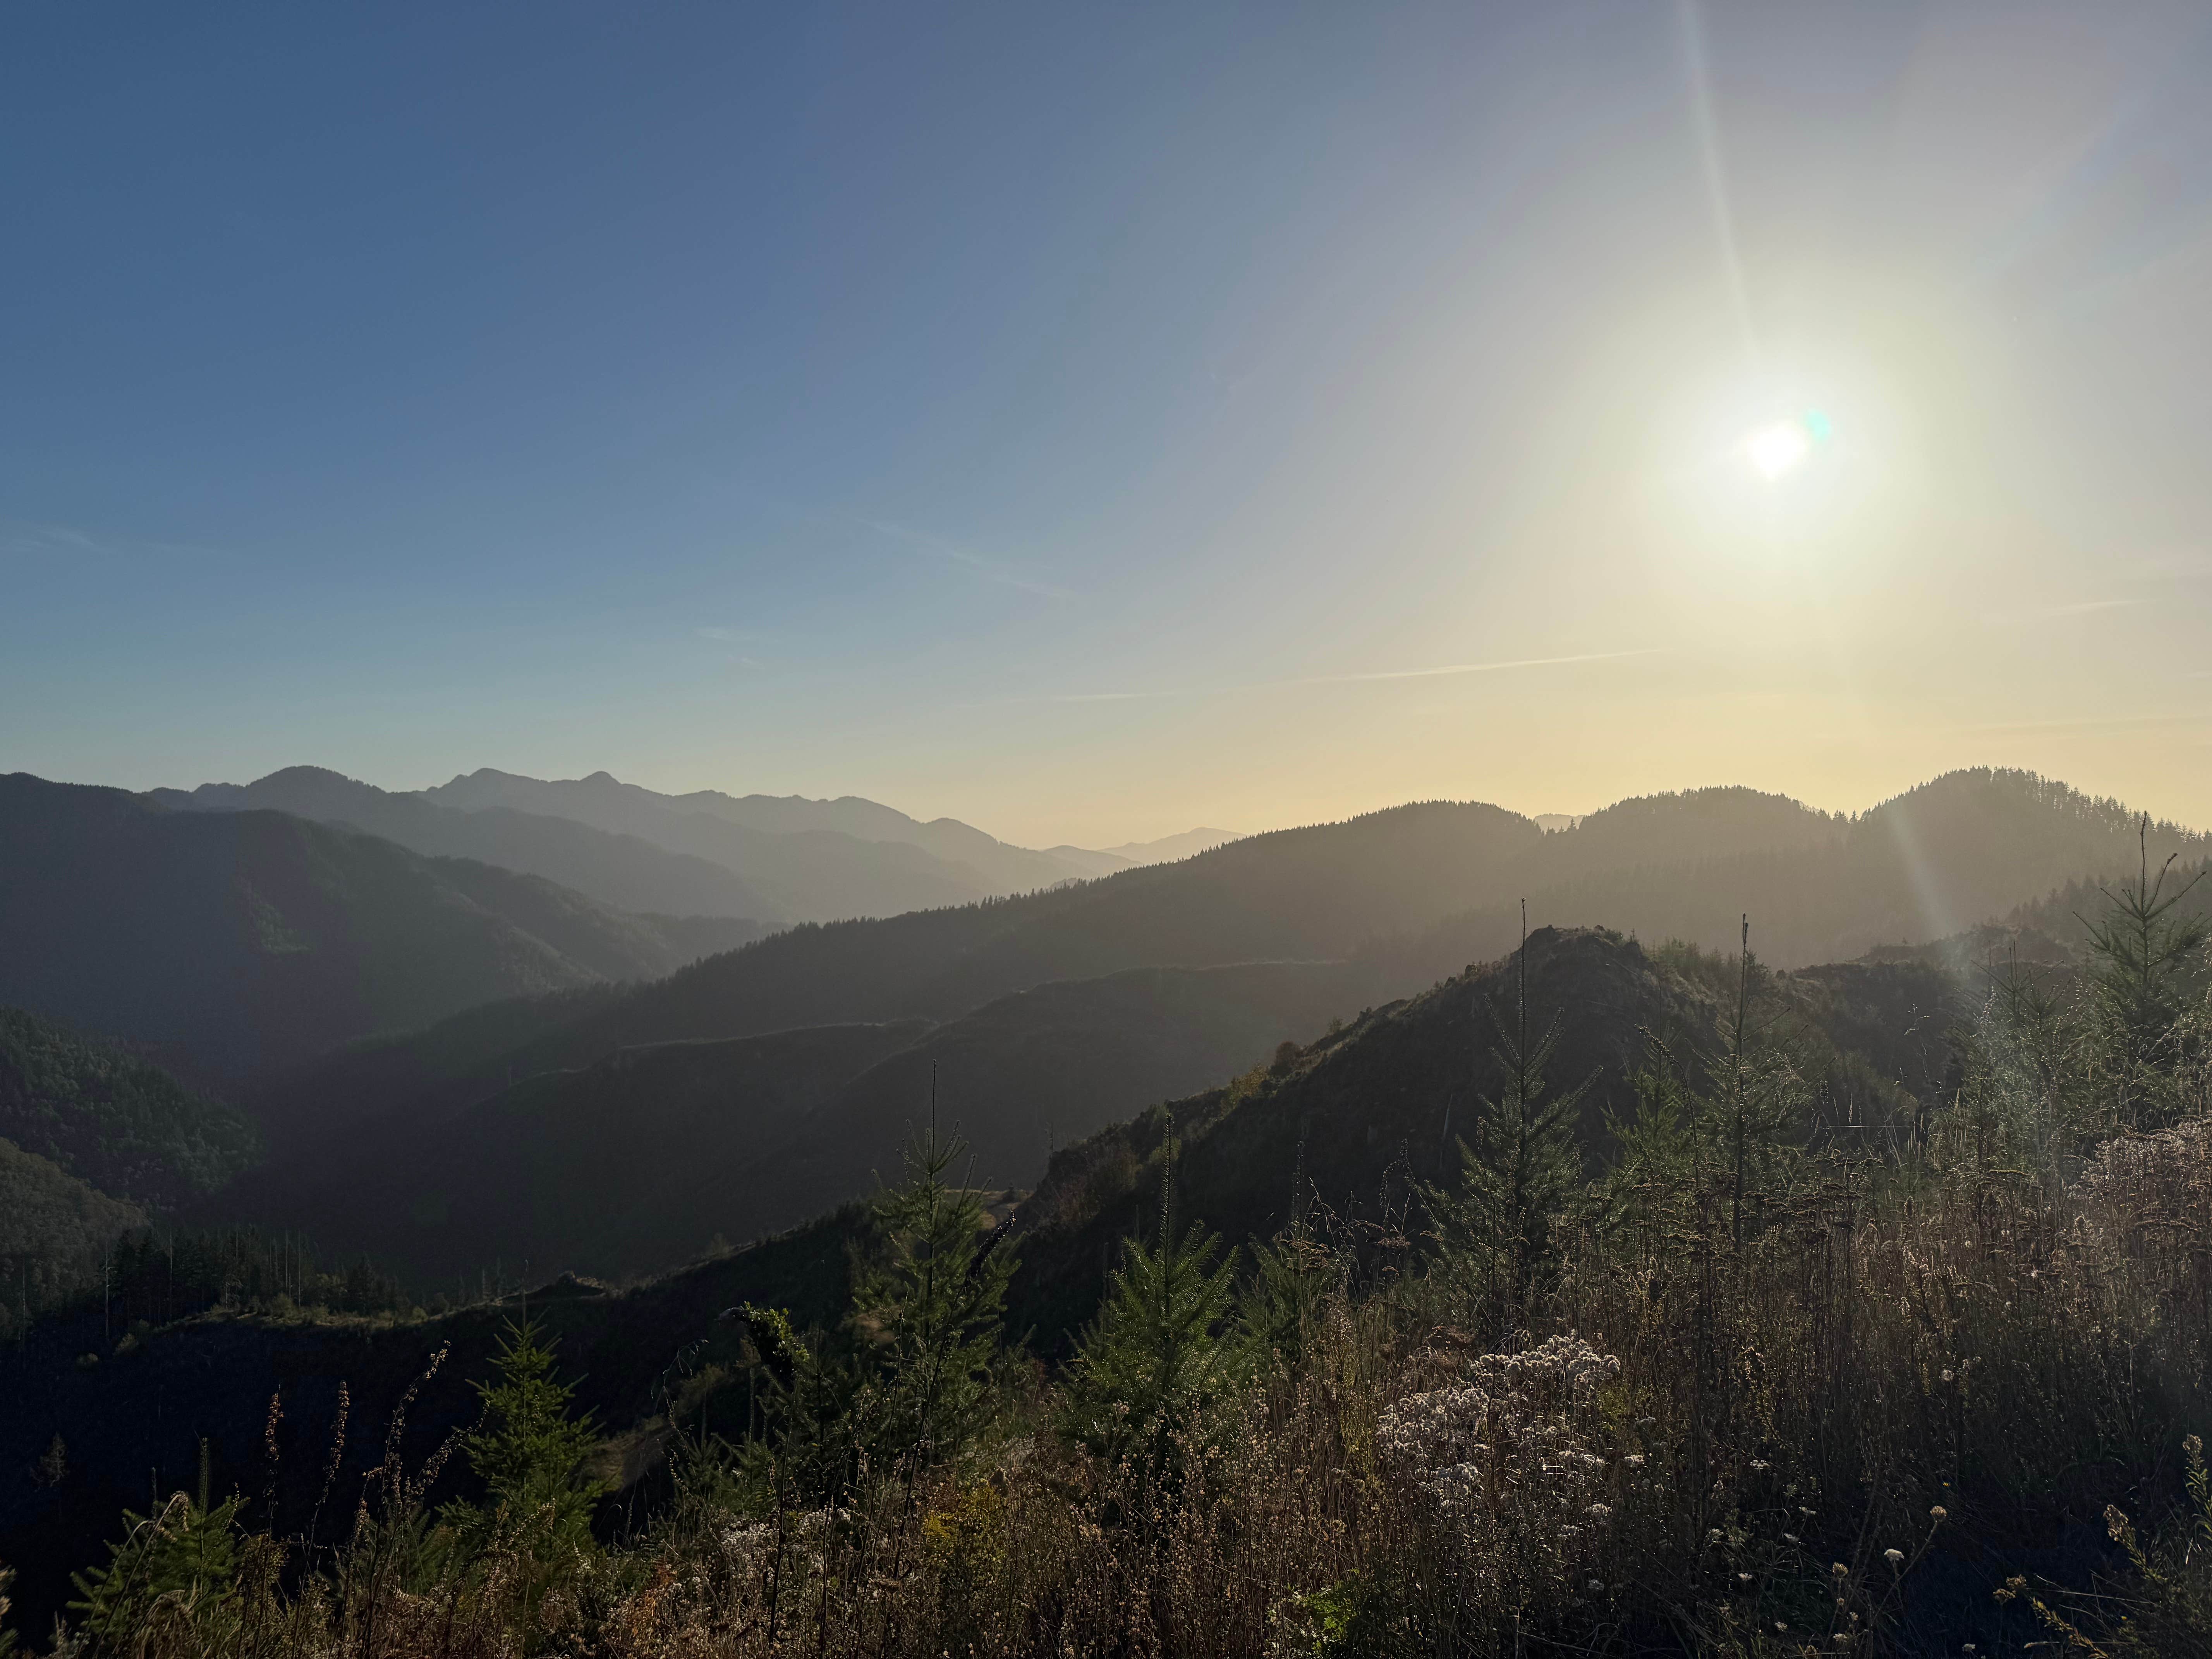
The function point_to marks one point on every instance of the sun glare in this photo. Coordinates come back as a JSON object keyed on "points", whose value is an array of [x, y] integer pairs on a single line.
{"points": [[1778, 448]]}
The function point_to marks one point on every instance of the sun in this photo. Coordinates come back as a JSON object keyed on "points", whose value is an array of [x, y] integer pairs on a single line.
{"points": [[1778, 448]]}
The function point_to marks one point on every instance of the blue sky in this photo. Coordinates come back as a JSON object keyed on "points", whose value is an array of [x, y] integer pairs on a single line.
{"points": [[1093, 422]]}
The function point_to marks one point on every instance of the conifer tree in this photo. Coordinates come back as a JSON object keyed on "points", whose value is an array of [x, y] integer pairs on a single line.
{"points": [[1521, 1166], [183, 1558], [2142, 953], [919, 1383], [809, 1448], [2024, 1097], [1154, 1359], [529, 1452], [929, 1313], [1655, 1149], [1757, 1096], [1281, 1304]]}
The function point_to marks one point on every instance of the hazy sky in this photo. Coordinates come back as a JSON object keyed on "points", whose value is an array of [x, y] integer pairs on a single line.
{"points": [[1091, 421]]}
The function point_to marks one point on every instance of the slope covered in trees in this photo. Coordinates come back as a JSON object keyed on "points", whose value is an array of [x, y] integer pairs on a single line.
{"points": [[114, 1120], [54, 1230], [634, 1161], [1312, 894], [1355, 1122]]}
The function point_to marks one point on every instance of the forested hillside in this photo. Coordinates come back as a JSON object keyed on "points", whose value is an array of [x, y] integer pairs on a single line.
{"points": [[1356, 1121], [54, 1230], [634, 1161], [114, 1120], [1306, 894]]}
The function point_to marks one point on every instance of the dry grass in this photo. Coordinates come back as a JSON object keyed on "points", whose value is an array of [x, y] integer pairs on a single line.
{"points": [[1705, 1449]]}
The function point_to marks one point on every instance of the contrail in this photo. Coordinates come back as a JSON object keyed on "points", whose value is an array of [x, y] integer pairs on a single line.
{"points": [[1355, 679]]}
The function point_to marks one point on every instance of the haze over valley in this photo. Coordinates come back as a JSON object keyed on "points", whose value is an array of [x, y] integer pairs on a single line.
{"points": [[945, 832]]}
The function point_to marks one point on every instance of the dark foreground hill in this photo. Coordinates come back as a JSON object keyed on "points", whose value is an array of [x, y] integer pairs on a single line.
{"points": [[238, 941], [1355, 1119], [634, 1161], [139, 1416]]}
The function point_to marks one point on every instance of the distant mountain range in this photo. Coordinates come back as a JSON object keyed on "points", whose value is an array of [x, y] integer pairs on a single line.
{"points": [[774, 860], [233, 942], [447, 1058], [1969, 848], [1108, 861], [1047, 1016]]}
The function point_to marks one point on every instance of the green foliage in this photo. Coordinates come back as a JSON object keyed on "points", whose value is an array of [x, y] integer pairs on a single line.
{"points": [[54, 1232], [1279, 1309], [2024, 1101], [94, 1143], [528, 1451], [918, 1380], [928, 1315], [2056, 1059], [177, 1566], [810, 1447], [2146, 957], [1758, 1099], [1154, 1359], [110, 1118], [1520, 1169], [1355, 1619]]}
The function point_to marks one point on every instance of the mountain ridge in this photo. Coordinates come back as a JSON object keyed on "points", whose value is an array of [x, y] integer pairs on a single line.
{"points": [[243, 941]]}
